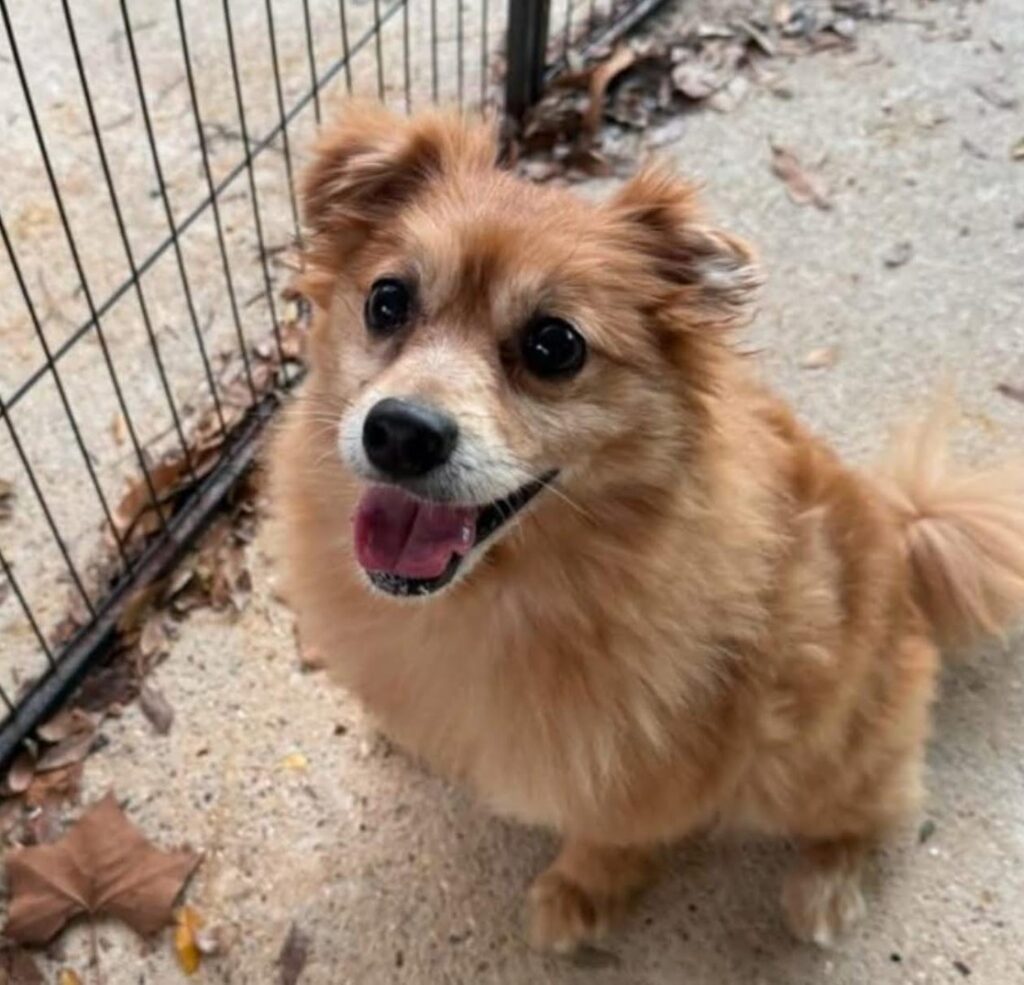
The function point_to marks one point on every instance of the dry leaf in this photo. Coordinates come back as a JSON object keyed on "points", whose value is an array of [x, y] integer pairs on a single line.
{"points": [[68, 751], [823, 358], [68, 976], [11, 812], [293, 956], [20, 773], [54, 787], [188, 923], [6, 499], [119, 429], [156, 708], [898, 254], [295, 762], [135, 512], [730, 95], [996, 97], [1011, 391], [154, 642], [104, 865], [600, 79], [804, 186], [18, 967], [695, 79], [70, 721]]}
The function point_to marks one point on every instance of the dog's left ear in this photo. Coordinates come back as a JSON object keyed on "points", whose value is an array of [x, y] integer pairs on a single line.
{"points": [[710, 275]]}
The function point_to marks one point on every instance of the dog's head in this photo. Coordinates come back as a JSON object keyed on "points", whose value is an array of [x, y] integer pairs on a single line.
{"points": [[487, 344]]}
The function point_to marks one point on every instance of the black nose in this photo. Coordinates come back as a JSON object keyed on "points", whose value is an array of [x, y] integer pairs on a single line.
{"points": [[405, 439]]}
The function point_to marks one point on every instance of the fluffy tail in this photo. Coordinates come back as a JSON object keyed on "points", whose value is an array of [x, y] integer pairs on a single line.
{"points": [[964, 532]]}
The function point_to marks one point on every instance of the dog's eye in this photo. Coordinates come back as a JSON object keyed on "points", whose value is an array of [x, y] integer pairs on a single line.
{"points": [[552, 348], [387, 306]]}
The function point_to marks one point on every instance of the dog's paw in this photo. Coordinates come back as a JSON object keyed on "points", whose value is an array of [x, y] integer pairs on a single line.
{"points": [[561, 915], [821, 904]]}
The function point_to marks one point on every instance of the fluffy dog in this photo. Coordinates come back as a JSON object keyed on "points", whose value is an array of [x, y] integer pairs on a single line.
{"points": [[551, 531]]}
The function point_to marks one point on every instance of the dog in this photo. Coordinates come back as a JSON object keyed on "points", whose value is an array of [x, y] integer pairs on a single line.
{"points": [[547, 526]]}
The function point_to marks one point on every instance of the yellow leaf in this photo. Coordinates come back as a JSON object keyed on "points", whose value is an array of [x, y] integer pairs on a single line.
{"points": [[187, 924], [68, 976], [296, 762]]}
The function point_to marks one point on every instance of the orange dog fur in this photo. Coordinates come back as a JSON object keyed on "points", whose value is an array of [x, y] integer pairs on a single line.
{"points": [[707, 620]]}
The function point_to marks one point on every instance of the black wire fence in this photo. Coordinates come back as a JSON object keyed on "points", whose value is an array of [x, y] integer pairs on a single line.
{"points": [[150, 230]]}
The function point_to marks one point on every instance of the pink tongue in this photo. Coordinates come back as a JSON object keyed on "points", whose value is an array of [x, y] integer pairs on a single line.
{"points": [[400, 535]]}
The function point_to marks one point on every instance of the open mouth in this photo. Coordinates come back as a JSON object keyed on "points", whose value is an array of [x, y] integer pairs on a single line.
{"points": [[410, 546]]}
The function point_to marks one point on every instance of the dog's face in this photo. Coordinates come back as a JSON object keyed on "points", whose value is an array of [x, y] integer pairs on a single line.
{"points": [[486, 343]]}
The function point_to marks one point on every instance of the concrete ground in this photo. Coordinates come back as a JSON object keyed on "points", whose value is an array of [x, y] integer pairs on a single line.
{"points": [[398, 877]]}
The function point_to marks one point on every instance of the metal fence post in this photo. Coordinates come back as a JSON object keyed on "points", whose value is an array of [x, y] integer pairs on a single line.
{"points": [[527, 50]]}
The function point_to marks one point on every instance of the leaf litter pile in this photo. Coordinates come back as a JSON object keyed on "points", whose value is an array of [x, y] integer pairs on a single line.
{"points": [[588, 124], [104, 866]]}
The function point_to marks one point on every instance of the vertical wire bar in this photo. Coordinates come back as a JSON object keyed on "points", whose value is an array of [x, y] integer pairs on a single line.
{"points": [[50, 522], [567, 38], [169, 215], [378, 49], [8, 571], [126, 243], [591, 15], [79, 269], [485, 53], [433, 51], [406, 56], [460, 67], [251, 171], [208, 174], [272, 31], [311, 53], [345, 52], [62, 393]]}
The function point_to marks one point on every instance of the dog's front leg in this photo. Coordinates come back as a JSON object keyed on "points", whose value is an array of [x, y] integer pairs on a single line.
{"points": [[580, 894]]}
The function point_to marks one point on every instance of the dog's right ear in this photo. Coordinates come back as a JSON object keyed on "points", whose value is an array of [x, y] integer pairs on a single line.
{"points": [[372, 163]]}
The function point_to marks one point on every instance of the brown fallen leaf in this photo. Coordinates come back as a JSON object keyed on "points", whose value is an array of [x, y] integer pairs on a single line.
{"points": [[293, 956], [68, 976], [11, 813], [135, 514], [153, 641], [804, 186], [55, 787], [973, 149], [600, 79], [997, 97], [18, 967], [68, 751], [1011, 391], [119, 429], [823, 358], [20, 773], [730, 95], [104, 865], [187, 924], [42, 826], [70, 721], [6, 499], [156, 708]]}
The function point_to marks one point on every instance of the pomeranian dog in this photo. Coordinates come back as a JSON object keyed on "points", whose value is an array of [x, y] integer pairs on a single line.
{"points": [[543, 521]]}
